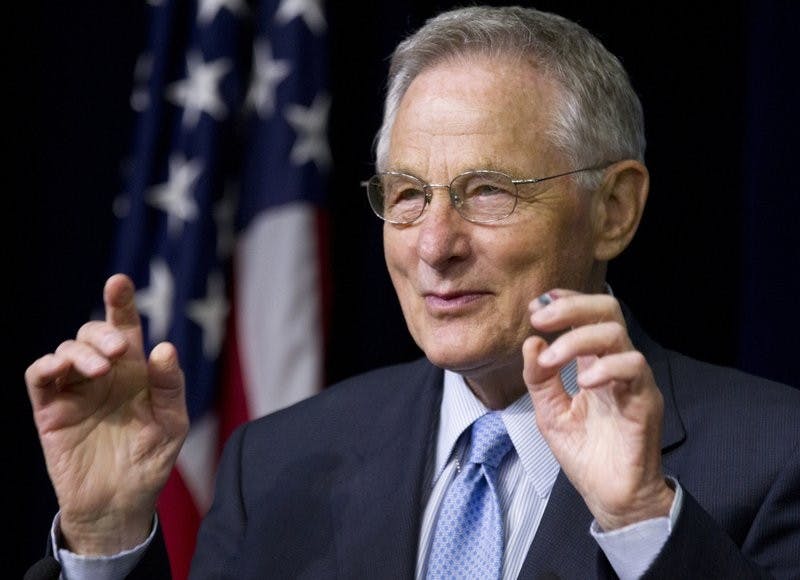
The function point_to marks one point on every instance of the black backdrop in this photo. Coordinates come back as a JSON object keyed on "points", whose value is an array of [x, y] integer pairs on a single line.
{"points": [[713, 271]]}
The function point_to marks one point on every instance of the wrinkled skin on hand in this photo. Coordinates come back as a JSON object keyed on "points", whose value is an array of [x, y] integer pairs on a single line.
{"points": [[111, 422]]}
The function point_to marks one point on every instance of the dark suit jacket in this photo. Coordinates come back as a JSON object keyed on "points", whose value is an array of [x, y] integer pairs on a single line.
{"points": [[332, 487]]}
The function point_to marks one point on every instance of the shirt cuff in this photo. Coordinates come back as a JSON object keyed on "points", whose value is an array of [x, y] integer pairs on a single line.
{"points": [[630, 550], [78, 567]]}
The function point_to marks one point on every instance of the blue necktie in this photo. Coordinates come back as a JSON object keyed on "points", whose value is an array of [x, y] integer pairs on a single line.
{"points": [[468, 538]]}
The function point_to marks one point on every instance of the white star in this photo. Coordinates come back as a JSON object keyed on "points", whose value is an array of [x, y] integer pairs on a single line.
{"points": [[175, 196], [310, 10], [224, 214], [198, 93], [267, 74], [155, 301], [310, 123], [209, 8], [210, 313]]}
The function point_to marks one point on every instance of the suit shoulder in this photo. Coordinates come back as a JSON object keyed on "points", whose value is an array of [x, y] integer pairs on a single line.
{"points": [[735, 382], [363, 397], [715, 394]]}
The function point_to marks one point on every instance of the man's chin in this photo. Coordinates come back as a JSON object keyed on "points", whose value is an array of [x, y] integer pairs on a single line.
{"points": [[476, 364], [456, 360]]}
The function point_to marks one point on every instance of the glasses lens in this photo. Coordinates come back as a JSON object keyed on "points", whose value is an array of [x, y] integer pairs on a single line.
{"points": [[484, 196], [397, 198]]}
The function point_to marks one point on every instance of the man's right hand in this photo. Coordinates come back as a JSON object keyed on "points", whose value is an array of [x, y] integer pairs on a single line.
{"points": [[111, 423]]}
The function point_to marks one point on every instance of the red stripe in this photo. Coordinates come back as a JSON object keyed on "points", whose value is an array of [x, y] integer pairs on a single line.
{"points": [[179, 521]]}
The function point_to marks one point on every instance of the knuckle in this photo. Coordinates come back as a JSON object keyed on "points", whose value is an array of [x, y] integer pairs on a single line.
{"points": [[65, 346], [619, 334], [638, 361], [32, 374], [617, 310], [90, 328]]}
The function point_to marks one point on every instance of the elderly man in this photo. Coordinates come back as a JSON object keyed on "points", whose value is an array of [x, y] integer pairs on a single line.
{"points": [[543, 434]]}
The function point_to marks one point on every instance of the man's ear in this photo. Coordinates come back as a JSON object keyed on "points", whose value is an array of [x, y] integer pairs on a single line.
{"points": [[619, 204]]}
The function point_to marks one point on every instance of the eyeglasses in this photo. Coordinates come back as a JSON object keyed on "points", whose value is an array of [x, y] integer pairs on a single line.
{"points": [[479, 196]]}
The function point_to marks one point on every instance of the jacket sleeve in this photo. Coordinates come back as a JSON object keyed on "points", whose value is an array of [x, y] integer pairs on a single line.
{"points": [[700, 548]]}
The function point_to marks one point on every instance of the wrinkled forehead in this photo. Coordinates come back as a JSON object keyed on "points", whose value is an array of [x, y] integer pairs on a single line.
{"points": [[493, 107]]}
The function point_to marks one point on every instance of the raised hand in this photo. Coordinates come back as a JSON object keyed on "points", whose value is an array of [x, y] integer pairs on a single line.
{"points": [[607, 437], [111, 422]]}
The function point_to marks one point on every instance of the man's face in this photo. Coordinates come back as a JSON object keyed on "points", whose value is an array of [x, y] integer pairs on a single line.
{"points": [[464, 288]]}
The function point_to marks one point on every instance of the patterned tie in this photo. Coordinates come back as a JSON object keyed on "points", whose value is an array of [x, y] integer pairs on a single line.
{"points": [[468, 538]]}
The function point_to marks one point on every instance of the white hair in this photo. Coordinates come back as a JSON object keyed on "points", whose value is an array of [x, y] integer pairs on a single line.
{"points": [[598, 120]]}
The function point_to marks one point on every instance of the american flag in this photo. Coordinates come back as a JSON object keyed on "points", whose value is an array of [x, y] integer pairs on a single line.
{"points": [[221, 223]]}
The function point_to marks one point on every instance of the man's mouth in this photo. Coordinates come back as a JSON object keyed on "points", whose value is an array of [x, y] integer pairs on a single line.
{"points": [[452, 302]]}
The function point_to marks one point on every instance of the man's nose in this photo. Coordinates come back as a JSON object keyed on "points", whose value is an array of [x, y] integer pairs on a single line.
{"points": [[442, 231]]}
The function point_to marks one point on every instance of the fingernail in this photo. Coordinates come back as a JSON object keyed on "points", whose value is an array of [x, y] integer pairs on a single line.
{"points": [[545, 298], [541, 301]]}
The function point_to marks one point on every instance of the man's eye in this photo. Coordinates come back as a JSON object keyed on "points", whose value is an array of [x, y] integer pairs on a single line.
{"points": [[486, 189], [405, 195]]}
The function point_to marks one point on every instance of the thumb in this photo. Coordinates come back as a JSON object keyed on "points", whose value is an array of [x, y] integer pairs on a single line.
{"points": [[544, 383], [167, 390]]}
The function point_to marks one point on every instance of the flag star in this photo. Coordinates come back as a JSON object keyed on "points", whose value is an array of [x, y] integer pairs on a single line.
{"points": [[175, 196], [310, 10], [198, 93], [310, 124], [224, 214], [155, 301], [267, 74], [210, 314], [209, 9]]}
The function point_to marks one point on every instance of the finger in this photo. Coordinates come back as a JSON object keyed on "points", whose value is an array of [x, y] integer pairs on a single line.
{"points": [[625, 367], [46, 377], [119, 297], [589, 340], [44, 371], [84, 358], [104, 337], [562, 309]]}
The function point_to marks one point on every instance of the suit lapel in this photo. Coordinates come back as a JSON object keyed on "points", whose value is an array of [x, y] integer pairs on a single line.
{"points": [[562, 547], [673, 432], [377, 505]]}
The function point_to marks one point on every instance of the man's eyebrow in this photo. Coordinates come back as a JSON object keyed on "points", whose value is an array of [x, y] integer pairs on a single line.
{"points": [[487, 164]]}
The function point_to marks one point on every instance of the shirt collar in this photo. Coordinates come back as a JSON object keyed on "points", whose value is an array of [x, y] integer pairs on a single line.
{"points": [[460, 408]]}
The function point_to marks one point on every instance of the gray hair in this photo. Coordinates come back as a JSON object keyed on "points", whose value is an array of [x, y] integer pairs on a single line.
{"points": [[599, 119]]}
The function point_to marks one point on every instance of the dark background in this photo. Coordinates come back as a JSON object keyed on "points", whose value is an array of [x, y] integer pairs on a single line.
{"points": [[713, 271]]}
